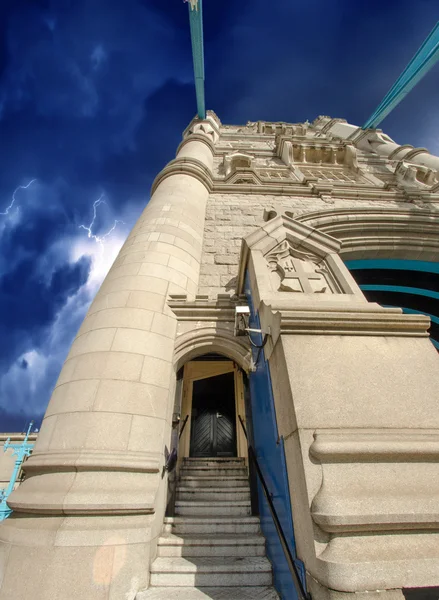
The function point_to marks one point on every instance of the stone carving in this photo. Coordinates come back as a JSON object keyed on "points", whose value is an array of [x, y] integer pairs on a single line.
{"points": [[237, 160], [415, 175], [204, 128], [296, 271], [275, 175]]}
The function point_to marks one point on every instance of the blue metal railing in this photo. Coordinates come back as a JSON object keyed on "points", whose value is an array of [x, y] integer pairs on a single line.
{"points": [[302, 594]]}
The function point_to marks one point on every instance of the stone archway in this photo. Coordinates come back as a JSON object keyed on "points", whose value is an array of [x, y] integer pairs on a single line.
{"points": [[380, 232]]}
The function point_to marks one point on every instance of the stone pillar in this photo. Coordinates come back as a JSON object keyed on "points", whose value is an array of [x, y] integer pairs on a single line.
{"points": [[87, 516], [375, 140], [355, 387]]}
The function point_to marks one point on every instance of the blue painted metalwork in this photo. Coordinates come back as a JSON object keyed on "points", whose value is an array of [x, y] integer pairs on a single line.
{"points": [[196, 25], [421, 63], [400, 288], [270, 453], [21, 451], [390, 263], [410, 267]]}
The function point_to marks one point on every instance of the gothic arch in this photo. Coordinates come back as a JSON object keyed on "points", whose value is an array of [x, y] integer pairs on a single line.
{"points": [[380, 232], [204, 340]]}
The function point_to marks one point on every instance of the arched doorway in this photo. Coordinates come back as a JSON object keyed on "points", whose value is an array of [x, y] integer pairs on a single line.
{"points": [[212, 402]]}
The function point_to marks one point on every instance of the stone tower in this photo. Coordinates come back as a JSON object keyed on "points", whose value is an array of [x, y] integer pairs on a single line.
{"points": [[264, 215]]}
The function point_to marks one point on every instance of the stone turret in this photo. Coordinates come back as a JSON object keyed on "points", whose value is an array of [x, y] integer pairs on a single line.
{"points": [[265, 214]]}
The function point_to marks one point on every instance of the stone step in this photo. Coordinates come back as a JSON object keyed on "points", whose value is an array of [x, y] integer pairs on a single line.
{"points": [[209, 593], [212, 525], [221, 471], [211, 545], [210, 508], [211, 571], [206, 494], [214, 462], [218, 482]]}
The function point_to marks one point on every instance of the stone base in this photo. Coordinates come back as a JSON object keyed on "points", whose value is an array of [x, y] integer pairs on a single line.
{"points": [[75, 558], [320, 592]]}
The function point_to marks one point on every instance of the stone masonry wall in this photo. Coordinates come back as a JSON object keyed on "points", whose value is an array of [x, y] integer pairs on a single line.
{"points": [[230, 217]]}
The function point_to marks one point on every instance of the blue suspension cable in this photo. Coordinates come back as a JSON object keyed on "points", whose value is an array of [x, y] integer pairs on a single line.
{"points": [[421, 63], [196, 25]]}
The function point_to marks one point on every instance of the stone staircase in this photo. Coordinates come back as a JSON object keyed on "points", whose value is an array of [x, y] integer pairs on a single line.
{"points": [[213, 548]]}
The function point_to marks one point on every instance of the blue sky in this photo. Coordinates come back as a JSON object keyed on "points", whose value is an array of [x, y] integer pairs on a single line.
{"points": [[94, 95]]}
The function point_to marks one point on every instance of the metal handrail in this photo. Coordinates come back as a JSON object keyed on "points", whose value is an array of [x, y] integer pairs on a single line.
{"points": [[184, 425], [301, 592]]}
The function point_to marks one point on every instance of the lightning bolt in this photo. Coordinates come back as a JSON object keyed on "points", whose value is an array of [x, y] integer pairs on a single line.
{"points": [[20, 187], [99, 239]]}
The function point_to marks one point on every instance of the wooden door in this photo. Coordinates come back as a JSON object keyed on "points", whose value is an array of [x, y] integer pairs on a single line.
{"points": [[213, 428]]}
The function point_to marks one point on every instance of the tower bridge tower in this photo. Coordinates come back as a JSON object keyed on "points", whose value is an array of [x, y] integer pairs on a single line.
{"points": [[340, 404]]}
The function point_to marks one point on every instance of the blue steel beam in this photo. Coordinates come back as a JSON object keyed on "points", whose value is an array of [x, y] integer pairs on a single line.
{"points": [[421, 63], [393, 263], [399, 288], [196, 25]]}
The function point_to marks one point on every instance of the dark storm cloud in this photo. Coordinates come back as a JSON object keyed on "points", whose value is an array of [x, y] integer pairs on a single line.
{"points": [[31, 303], [94, 95], [80, 112]]}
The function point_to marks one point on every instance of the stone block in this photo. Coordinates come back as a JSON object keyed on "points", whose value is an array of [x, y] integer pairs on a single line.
{"points": [[159, 258], [225, 259], [147, 433], [106, 365], [75, 396], [123, 271], [93, 341], [142, 343], [132, 397], [207, 281], [165, 273], [156, 372], [146, 300], [141, 283], [184, 268], [135, 318], [92, 430], [164, 325]]}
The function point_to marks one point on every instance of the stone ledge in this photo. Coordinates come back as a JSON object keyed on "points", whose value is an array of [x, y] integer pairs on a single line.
{"points": [[337, 320], [379, 445], [185, 166], [92, 460]]}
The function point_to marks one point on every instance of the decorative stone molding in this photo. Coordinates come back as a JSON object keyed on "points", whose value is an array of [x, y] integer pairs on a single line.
{"points": [[237, 160], [300, 286], [73, 460], [189, 166], [203, 128], [296, 271], [415, 175], [270, 128], [369, 319], [209, 127], [284, 247], [313, 160], [380, 232], [378, 499], [199, 138], [208, 326]]}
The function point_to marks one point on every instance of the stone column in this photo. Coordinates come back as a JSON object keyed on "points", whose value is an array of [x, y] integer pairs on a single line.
{"points": [[375, 140], [86, 519]]}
